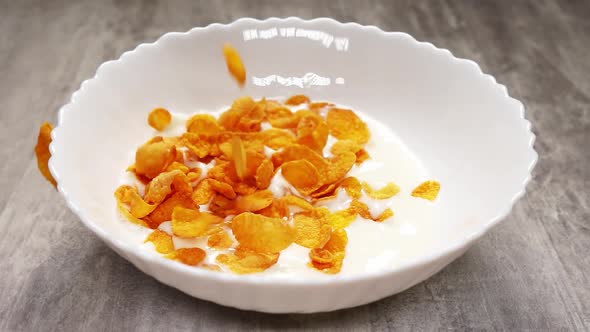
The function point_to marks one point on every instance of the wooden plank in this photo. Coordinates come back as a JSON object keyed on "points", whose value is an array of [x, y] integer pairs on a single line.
{"points": [[530, 273]]}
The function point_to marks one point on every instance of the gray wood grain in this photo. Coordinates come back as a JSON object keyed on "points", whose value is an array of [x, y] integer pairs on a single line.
{"points": [[532, 272]]}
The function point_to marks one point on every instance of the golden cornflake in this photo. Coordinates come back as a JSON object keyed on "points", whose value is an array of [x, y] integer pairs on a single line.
{"points": [[162, 241], [211, 267], [302, 175], [311, 232], [325, 191], [203, 192], [189, 223], [297, 100], [125, 212], [203, 124], [390, 190], [277, 209], [42, 151], [154, 157], [340, 165], [427, 190], [361, 209], [262, 234], [179, 166], [361, 156], [336, 246], [298, 202], [137, 206], [386, 214], [300, 152], [344, 124], [222, 188], [321, 256], [313, 132], [201, 145], [234, 64], [244, 261], [159, 119], [341, 219], [264, 174], [163, 211], [316, 107], [352, 187], [220, 240], [254, 202], [245, 115], [188, 256], [345, 145], [222, 206], [161, 186], [280, 116], [277, 138], [239, 156], [193, 175], [338, 241]]}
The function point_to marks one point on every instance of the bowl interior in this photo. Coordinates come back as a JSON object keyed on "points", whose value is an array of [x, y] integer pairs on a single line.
{"points": [[460, 124]]}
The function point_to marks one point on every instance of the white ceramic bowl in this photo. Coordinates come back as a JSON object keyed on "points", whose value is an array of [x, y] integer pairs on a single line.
{"points": [[462, 125]]}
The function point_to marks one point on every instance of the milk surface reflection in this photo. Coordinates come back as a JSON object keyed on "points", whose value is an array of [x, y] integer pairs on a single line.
{"points": [[305, 81], [326, 39]]}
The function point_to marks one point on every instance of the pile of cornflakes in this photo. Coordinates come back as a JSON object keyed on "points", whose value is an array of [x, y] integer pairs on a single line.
{"points": [[228, 201]]}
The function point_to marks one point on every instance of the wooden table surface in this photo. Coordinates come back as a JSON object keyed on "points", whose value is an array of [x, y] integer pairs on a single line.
{"points": [[532, 272]]}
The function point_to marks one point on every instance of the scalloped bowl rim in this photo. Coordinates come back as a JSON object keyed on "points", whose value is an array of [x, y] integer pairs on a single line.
{"points": [[254, 279]]}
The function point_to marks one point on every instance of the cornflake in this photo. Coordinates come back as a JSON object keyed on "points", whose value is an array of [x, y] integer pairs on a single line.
{"points": [[390, 190], [264, 174], [280, 116], [234, 64], [188, 256], [163, 212], [161, 240], [297, 100], [427, 190], [220, 240], [203, 193], [329, 258], [352, 186], [311, 231], [189, 223], [340, 165], [341, 219], [159, 119], [42, 151], [344, 124], [312, 131], [386, 214], [262, 234], [298, 202], [345, 145], [243, 261], [154, 157], [161, 186], [302, 175], [254, 202], [277, 138], [130, 196], [204, 124]]}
